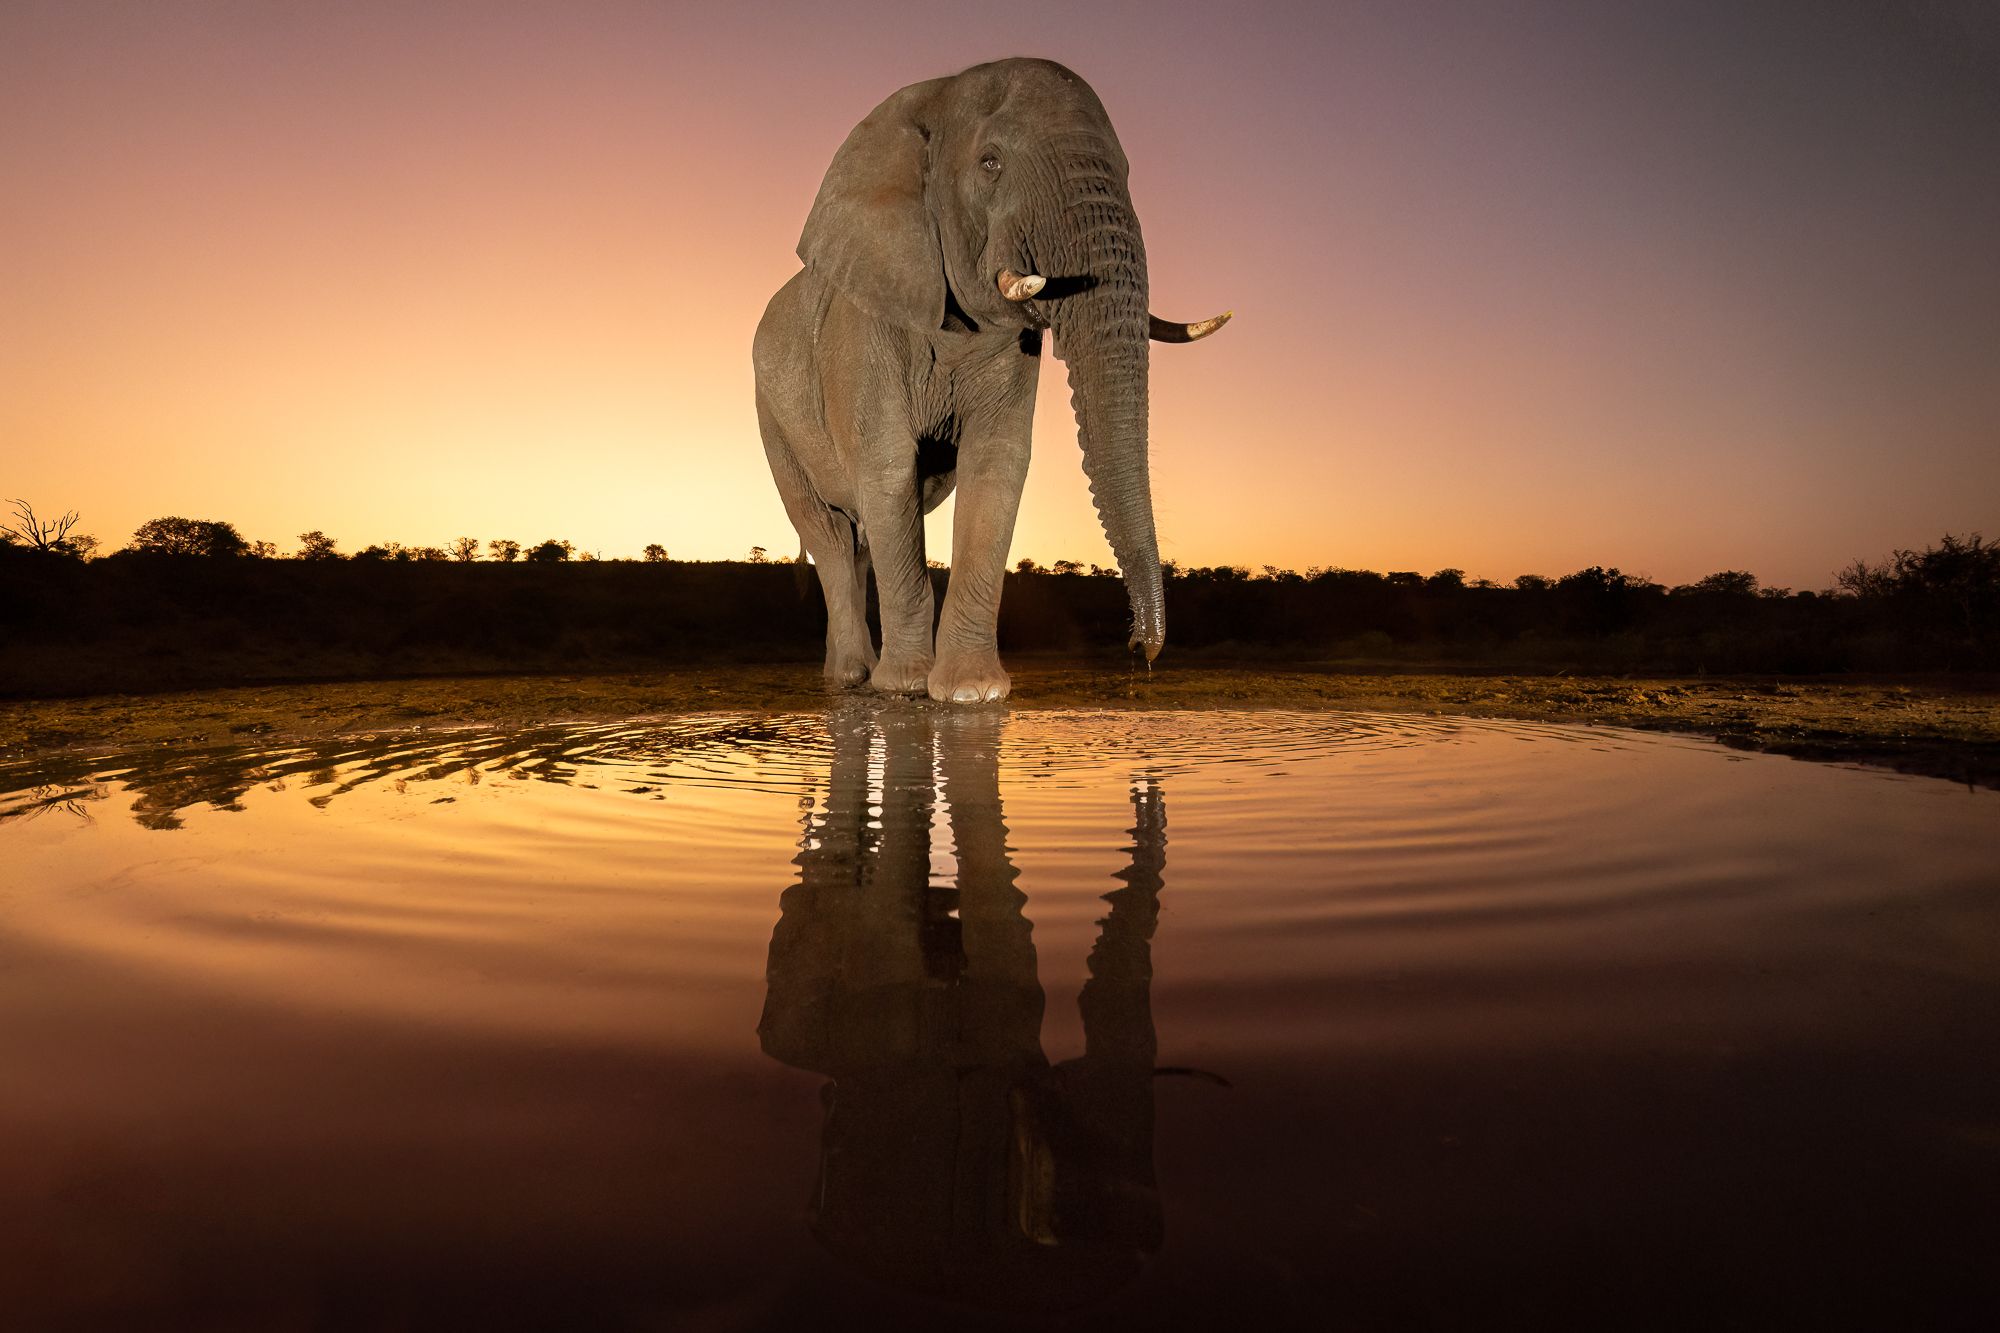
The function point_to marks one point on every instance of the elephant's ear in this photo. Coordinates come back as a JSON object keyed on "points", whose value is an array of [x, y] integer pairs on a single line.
{"points": [[869, 233]]}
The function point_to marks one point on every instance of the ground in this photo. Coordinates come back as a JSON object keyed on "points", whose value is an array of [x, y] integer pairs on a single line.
{"points": [[1945, 727]]}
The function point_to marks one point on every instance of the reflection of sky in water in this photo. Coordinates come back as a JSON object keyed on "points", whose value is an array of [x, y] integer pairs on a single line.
{"points": [[956, 1158], [784, 752], [713, 1013]]}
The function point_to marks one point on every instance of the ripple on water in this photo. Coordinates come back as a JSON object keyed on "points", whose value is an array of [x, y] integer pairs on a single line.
{"points": [[772, 754], [1422, 832]]}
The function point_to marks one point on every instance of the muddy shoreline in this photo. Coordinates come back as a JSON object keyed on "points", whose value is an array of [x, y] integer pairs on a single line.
{"points": [[1945, 727]]}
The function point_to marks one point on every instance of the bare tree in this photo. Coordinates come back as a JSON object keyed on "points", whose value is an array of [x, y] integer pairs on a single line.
{"points": [[40, 535]]}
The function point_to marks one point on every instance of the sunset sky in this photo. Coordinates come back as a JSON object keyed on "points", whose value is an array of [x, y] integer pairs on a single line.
{"points": [[1519, 287]]}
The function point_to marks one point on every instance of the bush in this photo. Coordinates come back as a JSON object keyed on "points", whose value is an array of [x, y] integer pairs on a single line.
{"points": [[1945, 596]]}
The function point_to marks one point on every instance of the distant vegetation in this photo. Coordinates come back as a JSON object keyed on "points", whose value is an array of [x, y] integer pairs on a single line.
{"points": [[191, 601]]}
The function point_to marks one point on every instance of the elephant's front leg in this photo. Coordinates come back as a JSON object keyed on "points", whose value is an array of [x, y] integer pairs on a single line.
{"points": [[892, 516], [992, 466]]}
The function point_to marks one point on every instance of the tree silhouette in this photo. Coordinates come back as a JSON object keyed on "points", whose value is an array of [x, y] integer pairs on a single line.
{"points": [[655, 553], [1951, 590], [551, 551], [1729, 582], [188, 536], [465, 550], [506, 552], [51, 536], [316, 545]]}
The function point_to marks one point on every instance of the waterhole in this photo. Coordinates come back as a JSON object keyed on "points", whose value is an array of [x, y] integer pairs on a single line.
{"points": [[907, 1014]]}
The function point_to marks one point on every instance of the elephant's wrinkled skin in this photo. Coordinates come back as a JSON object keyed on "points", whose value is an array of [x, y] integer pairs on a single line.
{"points": [[897, 366]]}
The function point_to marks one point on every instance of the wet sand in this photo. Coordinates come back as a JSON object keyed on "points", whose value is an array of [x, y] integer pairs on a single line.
{"points": [[1944, 727]]}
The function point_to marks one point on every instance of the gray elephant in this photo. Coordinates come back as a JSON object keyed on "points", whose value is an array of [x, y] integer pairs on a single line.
{"points": [[961, 219]]}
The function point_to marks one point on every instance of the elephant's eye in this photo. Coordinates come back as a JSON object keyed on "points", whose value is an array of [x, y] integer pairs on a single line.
{"points": [[990, 163]]}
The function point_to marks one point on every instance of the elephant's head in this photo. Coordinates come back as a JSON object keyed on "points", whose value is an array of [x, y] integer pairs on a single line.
{"points": [[996, 199]]}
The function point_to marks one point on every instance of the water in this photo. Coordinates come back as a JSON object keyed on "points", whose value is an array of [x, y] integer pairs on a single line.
{"points": [[966, 1019]]}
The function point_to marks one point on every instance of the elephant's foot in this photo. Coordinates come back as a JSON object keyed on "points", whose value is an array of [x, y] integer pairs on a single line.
{"points": [[896, 674], [847, 667], [969, 678]]}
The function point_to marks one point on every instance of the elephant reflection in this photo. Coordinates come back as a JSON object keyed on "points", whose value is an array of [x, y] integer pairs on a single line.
{"points": [[954, 1158]]}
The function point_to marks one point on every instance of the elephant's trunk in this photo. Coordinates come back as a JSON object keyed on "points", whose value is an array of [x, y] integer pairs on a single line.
{"points": [[1108, 391], [1101, 333]]}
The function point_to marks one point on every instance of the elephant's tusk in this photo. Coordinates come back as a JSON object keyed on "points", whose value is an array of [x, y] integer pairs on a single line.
{"points": [[1020, 286], [1162, 331]]}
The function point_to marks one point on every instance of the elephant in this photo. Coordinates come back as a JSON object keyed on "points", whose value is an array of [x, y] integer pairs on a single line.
{"points": [[960, 220]]}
